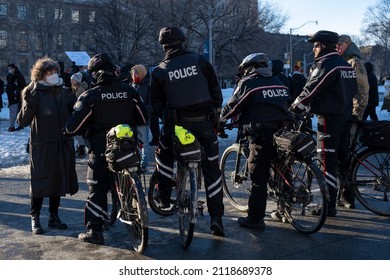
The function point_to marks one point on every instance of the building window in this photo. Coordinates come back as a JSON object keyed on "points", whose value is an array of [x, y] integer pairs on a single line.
{"points": [[22, 12], [75, 16], [3, 38], [76, 42], [57, 14], [22, 43], [91, 17], [41, 13], [3, 9], [60, 39]]}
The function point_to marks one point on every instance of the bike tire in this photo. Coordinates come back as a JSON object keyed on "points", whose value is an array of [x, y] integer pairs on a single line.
{"points": [[236, 188], [305, 201], [134, 211], [371, 180], [153, 197], [187, 203]]}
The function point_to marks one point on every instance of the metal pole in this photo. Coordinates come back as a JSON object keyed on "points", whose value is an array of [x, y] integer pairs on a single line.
{"points": [[211, 40]]}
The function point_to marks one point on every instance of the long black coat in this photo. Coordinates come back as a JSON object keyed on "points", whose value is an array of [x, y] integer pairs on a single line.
{"points": [[52, 161]]}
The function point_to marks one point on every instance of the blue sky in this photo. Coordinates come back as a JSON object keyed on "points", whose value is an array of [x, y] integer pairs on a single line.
{"points": [[341, 16]]}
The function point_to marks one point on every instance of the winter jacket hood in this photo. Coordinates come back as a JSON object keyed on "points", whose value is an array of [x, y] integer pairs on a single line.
{"points": [[352, 51]]}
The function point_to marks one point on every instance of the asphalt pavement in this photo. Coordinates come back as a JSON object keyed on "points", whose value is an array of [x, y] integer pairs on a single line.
{"points": [[353, 235]]}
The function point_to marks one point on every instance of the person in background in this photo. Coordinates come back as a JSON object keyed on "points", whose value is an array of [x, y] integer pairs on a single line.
{"points": [[46, 107], [277, 71], [386, 96], [351, 53], [1, 93], [260, 117], [328, 93], [64, 75], [18, 83], [141, 81], [193, 102], [373, 95], [79, 87], [95, 113]]}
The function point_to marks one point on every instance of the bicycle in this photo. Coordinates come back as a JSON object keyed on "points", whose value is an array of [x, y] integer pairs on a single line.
{"points": [[296, 183], [368, 172], [123, 161], [186, 183]]}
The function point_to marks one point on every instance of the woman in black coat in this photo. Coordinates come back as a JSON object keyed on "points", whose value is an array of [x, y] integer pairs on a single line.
{"points": [[46, 108]]}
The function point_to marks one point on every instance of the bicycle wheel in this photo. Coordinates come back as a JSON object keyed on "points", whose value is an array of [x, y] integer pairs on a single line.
{"points": [[187, 203], [236, 184], [134, 211], [113, 205], [371, 180], [305, 197], [154, 200]]}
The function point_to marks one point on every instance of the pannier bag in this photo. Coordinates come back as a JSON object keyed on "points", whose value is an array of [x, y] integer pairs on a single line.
{"points": [[299, 143], [121, 148], [185, 145], [376, 134]]}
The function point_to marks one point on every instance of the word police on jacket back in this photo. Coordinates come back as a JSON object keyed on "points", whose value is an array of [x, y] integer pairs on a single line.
{"points": [[114, 95], [183, 73], [269, 93]]}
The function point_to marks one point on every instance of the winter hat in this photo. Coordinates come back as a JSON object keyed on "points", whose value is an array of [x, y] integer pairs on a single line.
{"points": [[345, 39], [141, 71], [77, 77]]}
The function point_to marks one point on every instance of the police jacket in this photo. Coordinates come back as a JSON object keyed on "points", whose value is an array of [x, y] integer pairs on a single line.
{"points": [[106, 105], [330, 87], [185, 82], [260, 99]]}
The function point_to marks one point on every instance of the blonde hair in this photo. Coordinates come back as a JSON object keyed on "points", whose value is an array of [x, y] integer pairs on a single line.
{"points": [[41, 67]]}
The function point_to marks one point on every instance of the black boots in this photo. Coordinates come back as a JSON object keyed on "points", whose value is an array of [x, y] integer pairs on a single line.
{"points": [[54, 221], [93, 236], [36, 224]]}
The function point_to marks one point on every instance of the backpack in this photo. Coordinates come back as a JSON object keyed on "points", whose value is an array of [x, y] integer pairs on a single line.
{"points": [[376, 134]]}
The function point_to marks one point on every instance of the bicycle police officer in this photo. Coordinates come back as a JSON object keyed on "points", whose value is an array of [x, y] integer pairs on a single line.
{"points": [[328, 93], [185, 89], [261, 101], [105, 105]]}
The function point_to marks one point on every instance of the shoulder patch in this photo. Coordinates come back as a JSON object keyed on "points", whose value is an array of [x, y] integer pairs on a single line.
{"points": [[315, 72], [78, 105]]}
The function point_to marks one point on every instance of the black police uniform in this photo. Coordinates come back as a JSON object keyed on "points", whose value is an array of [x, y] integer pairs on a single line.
{"points": [[262, 102], [185, 90], [96, 111], [329, 91]]}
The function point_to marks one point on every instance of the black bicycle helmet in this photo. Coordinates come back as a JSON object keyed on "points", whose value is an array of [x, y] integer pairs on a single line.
{"points": [[254, 59], [171, 35], [100, 61], [325, 36]]}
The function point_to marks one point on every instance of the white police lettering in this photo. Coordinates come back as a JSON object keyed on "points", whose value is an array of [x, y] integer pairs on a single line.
{"points": [[183, 73], [275, 92], [348, 74], [114, 95]]}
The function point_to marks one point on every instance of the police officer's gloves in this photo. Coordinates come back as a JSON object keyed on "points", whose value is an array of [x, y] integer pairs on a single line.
{"points": [[221, 131]]}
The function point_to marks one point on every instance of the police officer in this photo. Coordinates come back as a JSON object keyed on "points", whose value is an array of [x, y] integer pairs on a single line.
{"points": [[261, 101], [329, 91], [185, 89], [105, 105]]}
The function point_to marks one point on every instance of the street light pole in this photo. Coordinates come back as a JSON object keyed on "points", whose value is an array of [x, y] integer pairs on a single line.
{"points": [[211, 55], [291, 30]]}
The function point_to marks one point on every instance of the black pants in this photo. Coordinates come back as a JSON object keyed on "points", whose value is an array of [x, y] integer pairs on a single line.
{"points": [[261, 153], [36, 205], [154, 128], [98, 181], [370, 111], [205, 133], [332, 141]]}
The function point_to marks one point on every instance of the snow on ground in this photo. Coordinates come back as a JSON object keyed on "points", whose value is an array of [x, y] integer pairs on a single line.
{"points": [[13, 156]]}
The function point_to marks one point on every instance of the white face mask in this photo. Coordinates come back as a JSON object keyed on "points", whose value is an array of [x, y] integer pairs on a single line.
{"points": [[11, 71], [52, 79]]}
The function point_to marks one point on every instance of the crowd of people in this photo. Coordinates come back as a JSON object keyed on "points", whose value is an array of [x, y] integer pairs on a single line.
{"points": [[183, 89]]}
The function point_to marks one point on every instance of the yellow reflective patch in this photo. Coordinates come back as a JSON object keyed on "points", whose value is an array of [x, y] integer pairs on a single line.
{"points": [[123, 131], [185, 137]]}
